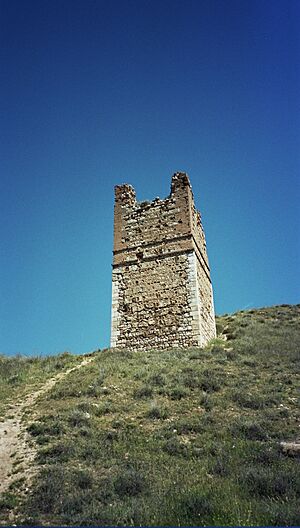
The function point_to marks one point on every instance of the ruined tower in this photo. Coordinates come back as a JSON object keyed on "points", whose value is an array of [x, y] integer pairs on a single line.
{"points": [[161, 288]]}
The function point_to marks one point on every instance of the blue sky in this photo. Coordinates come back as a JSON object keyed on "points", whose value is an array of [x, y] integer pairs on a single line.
{"points": [[97, 93]]}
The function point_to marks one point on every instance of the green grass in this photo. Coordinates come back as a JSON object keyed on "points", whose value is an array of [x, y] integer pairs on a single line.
{"points": [[184, 438], [19, 374]]}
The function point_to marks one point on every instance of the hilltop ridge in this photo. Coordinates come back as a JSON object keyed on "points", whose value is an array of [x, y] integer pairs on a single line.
{"points": [[174, 437]]}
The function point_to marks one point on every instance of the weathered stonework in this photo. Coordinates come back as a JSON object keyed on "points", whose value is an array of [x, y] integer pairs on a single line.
{"points": [[161, 288]]}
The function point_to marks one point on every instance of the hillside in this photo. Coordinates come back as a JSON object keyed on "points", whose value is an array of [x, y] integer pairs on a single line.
{"points": [[162, 438]]}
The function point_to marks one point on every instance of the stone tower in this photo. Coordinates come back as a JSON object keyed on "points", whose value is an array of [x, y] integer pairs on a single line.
{"points": [[161, 288]]}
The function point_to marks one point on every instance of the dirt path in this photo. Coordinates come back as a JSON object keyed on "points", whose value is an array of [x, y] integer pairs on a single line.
{"points": [[15, 450]]}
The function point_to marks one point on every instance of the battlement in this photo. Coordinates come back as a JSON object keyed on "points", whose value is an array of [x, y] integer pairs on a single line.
{"points": [[180, 180], [125, 193], [154, 244]]}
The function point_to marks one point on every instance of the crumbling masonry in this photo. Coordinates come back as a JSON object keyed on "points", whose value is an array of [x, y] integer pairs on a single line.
{"points": [[161, 288]]}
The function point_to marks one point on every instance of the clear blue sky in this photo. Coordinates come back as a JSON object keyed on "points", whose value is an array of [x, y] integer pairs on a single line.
{"points": [[98, 93]]}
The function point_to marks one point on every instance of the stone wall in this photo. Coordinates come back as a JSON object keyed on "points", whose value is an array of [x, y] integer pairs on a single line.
{"points": [[161, 292]]}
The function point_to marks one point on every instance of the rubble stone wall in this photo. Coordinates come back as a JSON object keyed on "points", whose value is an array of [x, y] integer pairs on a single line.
{"points": [[161, 291]]}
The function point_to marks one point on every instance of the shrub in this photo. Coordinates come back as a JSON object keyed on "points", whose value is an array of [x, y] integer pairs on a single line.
{"points": [[104, 408], [143, 392], [208, 380], [268, 481], [100, 378], [230, 354], [61, 491], [84, 406], [173, 447], [85, 432], [61, 392], [157, 380], [130, 482], [83, 479], [8, 501], [249, 362], [248, 401], [177, 393], [16, 484], [92, 390], [60, 452], [195, 505], [53, 427], [49, 492], [188, 425], [217, 349], [157, 412], [111, 435], [249, 430], [206, 401], [266, 454], [117, 424], [281, 513], [78, 418], [220, 465], [198, 353], [191, 378]]}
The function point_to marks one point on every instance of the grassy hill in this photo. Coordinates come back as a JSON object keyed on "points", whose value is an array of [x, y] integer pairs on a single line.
{"points": [[166, 438]]}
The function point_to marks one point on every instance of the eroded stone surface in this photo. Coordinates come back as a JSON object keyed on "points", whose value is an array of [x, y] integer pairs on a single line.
{"points": [[161, 290], [291, 448]]}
